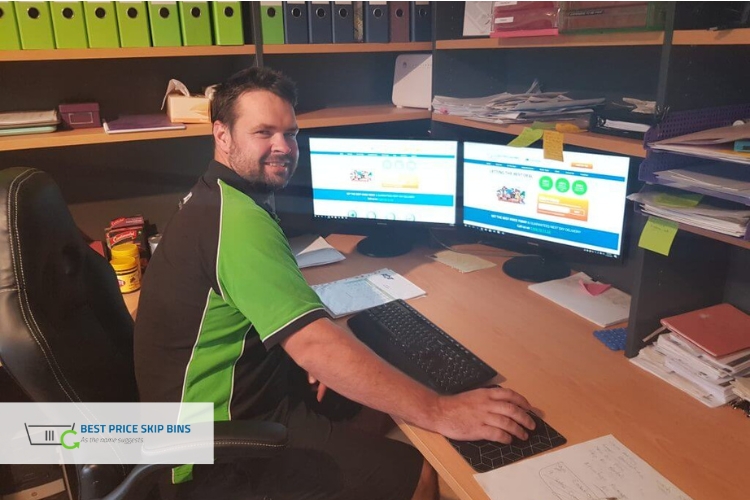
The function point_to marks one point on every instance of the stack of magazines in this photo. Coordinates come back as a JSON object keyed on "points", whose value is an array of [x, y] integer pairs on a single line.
{"points": [[29, 122], [701, 353]]}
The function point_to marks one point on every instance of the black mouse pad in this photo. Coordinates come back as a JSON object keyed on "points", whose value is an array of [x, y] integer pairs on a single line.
{"points": [[484, 456]]}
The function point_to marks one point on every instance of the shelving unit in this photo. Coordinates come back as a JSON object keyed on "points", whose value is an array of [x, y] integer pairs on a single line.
{"points": [[125, 53], [710, 37], [612, 144]]}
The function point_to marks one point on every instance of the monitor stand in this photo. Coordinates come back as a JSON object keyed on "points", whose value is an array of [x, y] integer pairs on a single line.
{"points": [[536, 268], [386, 244]]}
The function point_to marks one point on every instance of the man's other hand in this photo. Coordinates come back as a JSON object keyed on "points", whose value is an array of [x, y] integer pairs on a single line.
{"points": [[495, 414], [318, 387]]}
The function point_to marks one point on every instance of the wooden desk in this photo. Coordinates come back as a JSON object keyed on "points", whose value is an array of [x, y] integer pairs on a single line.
{"points": [[583, 389]]}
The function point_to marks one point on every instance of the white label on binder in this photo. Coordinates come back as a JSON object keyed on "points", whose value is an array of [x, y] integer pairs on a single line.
{"points": [[503, 20]]}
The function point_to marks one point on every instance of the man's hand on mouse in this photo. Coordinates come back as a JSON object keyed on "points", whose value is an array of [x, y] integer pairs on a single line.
{"points": [[495, 413]]}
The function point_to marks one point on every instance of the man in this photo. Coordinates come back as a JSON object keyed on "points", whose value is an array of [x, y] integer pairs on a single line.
{"points": [[226, 316]]}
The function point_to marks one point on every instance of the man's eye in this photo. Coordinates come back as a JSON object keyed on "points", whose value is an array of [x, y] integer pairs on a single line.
{"points": [[263, 133], [292, 135]]}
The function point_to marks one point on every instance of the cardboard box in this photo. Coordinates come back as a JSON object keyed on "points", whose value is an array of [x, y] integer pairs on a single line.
{"points": [[188, 109], [80, 115]]}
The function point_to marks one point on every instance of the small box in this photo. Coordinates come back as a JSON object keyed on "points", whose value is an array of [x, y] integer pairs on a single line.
{"points": [[80, 115], [188, 109]]}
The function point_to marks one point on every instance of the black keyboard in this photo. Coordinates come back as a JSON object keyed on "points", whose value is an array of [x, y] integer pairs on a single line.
{"points": [[417, 347], [413, 344]]}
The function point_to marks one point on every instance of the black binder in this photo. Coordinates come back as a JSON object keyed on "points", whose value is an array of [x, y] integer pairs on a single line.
{"points": [[319, 22], [377, 28], [295, 22], [421, 21], [343, 22]]}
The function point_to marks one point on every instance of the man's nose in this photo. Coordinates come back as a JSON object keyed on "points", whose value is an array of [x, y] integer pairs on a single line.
{"points": [[279, 144]]}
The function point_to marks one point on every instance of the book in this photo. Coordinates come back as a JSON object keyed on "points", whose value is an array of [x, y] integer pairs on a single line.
{"points": [[719, 330], [140, 123]]}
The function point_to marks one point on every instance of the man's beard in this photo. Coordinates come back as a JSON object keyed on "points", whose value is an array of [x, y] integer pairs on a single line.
{"points": [[254, 171]]}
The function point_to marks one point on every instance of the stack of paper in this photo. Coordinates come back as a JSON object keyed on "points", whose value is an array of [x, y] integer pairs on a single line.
{"points": [[741, 387], [29, 122], [715, 144], [701, 353], [356, 294], [604, 309], [722, 216], [711, 179], [141, 123], [530, 106], [311, 250]]}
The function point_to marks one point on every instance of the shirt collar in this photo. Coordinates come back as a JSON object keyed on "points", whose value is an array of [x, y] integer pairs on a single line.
{"points": [[218, 171]]}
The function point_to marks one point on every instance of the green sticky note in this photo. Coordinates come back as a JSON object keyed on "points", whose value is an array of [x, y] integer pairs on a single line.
{"points": [[682, 200], [658, 235], [526, 137], [543, 126]]}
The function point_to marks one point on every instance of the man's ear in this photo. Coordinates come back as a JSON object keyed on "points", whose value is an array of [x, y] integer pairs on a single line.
{"points": [[222, 137]]}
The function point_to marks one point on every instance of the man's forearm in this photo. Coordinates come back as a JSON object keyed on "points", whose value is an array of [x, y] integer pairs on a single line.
{"points": [[340, 361]]}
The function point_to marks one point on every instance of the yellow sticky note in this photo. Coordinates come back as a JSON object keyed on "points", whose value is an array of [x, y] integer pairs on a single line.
{"points": [[553, 145], [658, 235], [682, 200], [527, 137]]}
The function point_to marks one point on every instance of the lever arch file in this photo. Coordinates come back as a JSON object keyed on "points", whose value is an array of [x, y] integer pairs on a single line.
{"points": [[376, 22], [227, 22], [343, 22], [101, 25], [295, 22], [35, 25], [69, 25], [164, 20], [272, 23], [9, 39], [421, 21], [132, 23], [399, 19], [195, 23], [319, 22]]}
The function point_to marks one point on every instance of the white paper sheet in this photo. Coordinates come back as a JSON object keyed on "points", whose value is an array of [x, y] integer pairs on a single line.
{"points": [[311, 250], [595, 470]]}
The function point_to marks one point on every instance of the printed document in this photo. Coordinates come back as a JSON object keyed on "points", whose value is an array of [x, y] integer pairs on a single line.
{"points": [[311, 250], [362, 292], [595, 470]]}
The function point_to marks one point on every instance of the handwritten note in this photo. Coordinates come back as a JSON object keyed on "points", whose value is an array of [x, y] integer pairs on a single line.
{"points": [[553, 145], [527, 137], [594, 470], [658, 235]]}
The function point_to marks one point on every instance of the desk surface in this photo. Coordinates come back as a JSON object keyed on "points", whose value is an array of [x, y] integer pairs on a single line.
{"points": [[581, 388]]}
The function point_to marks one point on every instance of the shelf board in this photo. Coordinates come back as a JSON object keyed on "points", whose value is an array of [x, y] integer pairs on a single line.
{"points": [[342, 48], [126, 53], [360, 115], [331, 117], [583, 40], [732, 240], [706, 37], [611, 144]]}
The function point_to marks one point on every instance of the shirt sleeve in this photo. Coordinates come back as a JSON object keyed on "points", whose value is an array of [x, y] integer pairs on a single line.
{"points": [[257, 273]]}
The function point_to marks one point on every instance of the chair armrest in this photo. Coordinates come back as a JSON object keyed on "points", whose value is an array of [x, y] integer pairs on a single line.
{"points": [[232, 440]]}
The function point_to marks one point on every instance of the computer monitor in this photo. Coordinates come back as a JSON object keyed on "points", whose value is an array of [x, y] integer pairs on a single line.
{"points": [[391, 184], [577, 204]]}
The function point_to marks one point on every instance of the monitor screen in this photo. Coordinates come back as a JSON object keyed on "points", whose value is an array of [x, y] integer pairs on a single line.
{"points": [[579, 202], [403, 180]]}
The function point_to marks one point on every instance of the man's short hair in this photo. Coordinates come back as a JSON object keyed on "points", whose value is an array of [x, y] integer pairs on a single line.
{"points": [[247, 80]]}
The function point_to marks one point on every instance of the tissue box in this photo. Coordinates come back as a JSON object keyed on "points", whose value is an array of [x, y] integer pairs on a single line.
{"points": [[80, 115], [188, 109]]}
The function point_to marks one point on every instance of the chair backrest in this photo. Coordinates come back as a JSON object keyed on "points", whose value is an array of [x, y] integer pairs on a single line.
{"points": [[65, 333]]}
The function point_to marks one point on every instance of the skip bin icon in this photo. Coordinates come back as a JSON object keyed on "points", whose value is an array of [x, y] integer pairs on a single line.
{"points": [[46, 435]]}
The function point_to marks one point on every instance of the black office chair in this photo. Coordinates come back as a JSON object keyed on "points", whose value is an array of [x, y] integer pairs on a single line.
{"points": [[66, 335]]}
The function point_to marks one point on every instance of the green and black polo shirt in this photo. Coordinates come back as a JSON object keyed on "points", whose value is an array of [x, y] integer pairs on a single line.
{"points": [[221, 292]]}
